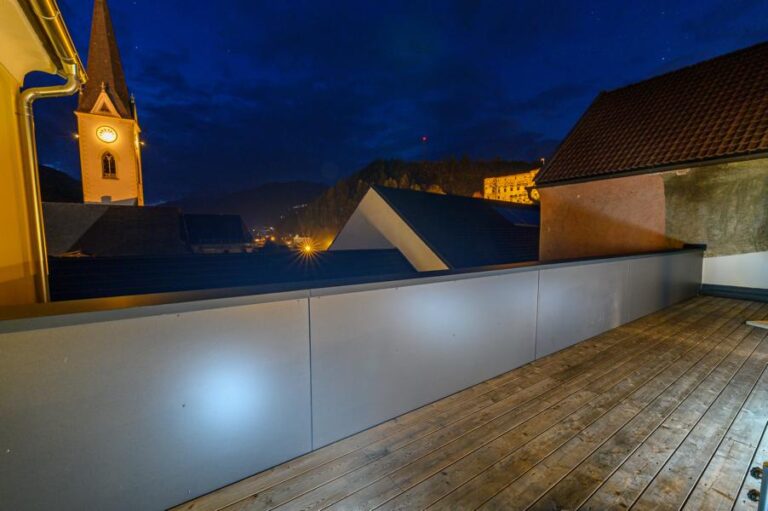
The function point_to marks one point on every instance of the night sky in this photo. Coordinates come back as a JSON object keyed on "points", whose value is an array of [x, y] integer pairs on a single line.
{"points": [[234, 93]]}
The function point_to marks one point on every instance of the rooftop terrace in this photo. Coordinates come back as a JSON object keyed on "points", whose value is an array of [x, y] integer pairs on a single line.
{"points": [[666, 412]]}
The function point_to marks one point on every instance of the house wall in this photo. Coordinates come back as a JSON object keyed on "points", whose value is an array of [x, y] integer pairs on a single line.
{"points": [[723, 206], [726, 208], [17, 269], [607, 217]]}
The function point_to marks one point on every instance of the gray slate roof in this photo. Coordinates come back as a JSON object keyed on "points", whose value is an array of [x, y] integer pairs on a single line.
{"points": [[467, 232]]}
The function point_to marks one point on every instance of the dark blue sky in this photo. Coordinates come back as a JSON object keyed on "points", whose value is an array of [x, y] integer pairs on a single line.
{"points": [[239, 92]]}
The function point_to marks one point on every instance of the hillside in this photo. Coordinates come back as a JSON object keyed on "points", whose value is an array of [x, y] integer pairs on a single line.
{"points": [[56, 186], [259, 206], [323, 217]]}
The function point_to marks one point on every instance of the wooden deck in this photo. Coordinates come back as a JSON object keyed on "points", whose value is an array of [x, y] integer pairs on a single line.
{"points": [[667, 412]]}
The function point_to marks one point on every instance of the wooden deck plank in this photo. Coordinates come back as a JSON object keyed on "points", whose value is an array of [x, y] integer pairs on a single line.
{"points": [[438, 411], [627, 483], [571, 491], [743, 503], [515, 465], [678, 477], [324, 487], [718, 488], [537, 482]]}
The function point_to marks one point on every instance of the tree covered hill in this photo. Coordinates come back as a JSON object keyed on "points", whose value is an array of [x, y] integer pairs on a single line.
{"points": [[323, 217], [262, 205]]}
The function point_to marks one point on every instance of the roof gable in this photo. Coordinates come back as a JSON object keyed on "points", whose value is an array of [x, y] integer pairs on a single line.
{"points": [[709, 111], [467, 232]]}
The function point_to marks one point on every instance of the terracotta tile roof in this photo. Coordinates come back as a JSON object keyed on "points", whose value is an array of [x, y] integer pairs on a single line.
{"points": [[711, 110]]}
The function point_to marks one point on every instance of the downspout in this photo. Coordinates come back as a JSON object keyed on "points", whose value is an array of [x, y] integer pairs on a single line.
{"points": [[49, 25], [28, 97]]}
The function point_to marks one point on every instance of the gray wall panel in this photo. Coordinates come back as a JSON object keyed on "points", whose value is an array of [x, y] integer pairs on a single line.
{"points": [[145, 413], [578, 302], [686, 275], [660, 281], [378, 354], [648, 292]]}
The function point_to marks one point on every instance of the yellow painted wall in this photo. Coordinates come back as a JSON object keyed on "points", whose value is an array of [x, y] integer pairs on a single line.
{"points": [[17, 283], [127, 188]]}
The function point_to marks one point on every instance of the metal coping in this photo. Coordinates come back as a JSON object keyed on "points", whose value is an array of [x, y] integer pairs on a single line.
{"points": [[45, 315]]}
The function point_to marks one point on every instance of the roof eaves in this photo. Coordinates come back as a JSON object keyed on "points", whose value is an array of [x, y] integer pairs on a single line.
{"points": [[718, 160]]}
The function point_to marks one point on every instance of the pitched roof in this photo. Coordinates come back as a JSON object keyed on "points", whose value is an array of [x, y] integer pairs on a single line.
{"points": [[711, 110], [466, 232], [204, 229], [104, 230], [104, 65], [92, 277]]}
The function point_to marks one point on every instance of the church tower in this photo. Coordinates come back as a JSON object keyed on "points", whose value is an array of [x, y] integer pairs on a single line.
{"points": [[107, 124]]}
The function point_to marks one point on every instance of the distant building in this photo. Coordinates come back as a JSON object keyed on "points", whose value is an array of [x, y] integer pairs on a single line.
{"points": [[440, 232], [679, 158], [516, 188], [103, 230], [107, 123], [217, 234]]}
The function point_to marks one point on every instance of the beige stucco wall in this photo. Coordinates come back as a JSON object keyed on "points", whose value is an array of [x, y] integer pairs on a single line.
{"points": [[126, 189], [606, 217], [723, 206], [17, 284]]}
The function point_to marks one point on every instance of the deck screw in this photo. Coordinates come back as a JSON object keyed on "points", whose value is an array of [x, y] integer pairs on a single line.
{"points": [[753, 495], [756, 472]]}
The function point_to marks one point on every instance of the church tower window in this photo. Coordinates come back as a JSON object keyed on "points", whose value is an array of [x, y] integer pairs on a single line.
{"points": [[108, 168]]}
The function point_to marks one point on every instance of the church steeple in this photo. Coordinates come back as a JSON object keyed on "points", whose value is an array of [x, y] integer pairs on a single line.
{"points": [[105, 71], [107, 124]]}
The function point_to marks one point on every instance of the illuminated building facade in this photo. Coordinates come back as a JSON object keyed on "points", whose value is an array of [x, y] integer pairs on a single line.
{"points": [[513, 188], [107, 124]]}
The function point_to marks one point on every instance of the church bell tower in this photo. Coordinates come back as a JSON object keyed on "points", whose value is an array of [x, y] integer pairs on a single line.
{"points": [[107, 124]]}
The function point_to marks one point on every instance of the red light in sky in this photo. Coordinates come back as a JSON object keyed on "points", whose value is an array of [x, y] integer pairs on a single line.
{"points": [[424, 138]]}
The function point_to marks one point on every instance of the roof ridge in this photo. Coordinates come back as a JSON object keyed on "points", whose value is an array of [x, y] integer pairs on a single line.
{"points": [[666, 74]]}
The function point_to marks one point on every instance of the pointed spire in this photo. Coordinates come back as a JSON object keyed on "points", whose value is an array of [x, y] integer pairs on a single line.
{"points": [[104, 66]]}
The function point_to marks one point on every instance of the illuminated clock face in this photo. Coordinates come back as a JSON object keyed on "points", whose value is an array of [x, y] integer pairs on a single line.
{"points": [[106, 134]]}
